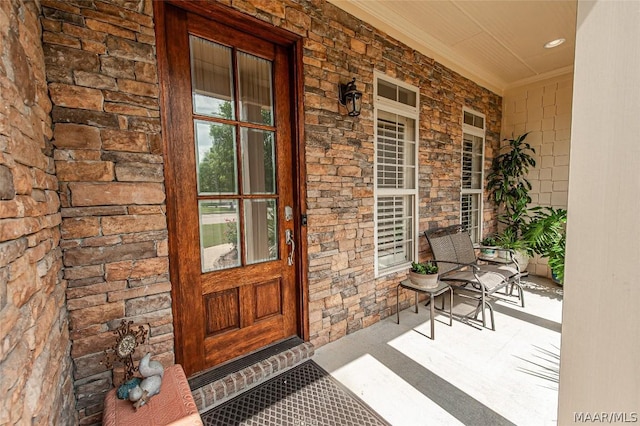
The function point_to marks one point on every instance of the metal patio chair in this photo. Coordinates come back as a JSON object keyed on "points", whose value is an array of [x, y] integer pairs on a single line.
{"points": [[459, 266]]}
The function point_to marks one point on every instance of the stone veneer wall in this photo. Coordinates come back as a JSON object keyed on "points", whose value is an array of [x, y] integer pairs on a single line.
{"points": [[35, 366], [544, 109], [101, 68]]}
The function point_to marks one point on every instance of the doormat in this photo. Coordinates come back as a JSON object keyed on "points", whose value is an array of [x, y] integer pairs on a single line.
{"points": [[305, 395]]}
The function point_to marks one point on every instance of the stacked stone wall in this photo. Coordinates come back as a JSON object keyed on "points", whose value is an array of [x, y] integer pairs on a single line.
{"points": [[101, 69], [344, 294], [35, 366], [102, 75]]}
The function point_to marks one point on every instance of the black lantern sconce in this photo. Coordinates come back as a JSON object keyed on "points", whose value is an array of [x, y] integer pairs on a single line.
{"points": [[351, 98]]}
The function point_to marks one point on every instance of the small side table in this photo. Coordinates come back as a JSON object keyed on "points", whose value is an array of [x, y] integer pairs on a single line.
{"points": [[174, 405], [432, 292]]}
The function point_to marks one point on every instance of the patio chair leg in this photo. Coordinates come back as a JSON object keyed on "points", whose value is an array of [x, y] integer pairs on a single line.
{"points": [[477, 312], [493, 323], [520, 292], [398, 304]]}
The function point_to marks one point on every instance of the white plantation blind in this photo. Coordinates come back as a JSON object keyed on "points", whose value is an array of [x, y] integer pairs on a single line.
{"points": [[396, 175], [472, 162], [470, 214], [395, 230], [472, 181]]}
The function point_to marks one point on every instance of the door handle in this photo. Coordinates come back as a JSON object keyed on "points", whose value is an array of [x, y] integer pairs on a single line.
{"points": [[288, 237]]}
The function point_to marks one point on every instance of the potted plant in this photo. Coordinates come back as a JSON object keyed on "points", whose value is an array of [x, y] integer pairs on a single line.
{"points": [[546, 235], [509, 188], [424, 274], [488, 247], [508, 240]]}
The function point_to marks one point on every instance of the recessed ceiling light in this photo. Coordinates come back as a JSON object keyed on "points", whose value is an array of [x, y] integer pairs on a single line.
{"points": [[554, 43]]}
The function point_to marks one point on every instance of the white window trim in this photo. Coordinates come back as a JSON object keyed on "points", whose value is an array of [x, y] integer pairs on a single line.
{"points": [[408, 111], [474, 131]]}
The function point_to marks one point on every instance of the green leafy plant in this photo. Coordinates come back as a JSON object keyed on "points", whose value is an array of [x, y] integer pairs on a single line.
{"points": [[428, 268], [510, 240], [509, 186], [546, 235], [556, 259], [490, 241]]}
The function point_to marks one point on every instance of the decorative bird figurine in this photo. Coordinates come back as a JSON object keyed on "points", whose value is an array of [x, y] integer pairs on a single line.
{"points": [[141, 394], [149, 368], [152, 371]]}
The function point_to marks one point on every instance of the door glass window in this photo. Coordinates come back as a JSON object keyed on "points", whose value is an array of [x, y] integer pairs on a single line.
{"points": [[258, 161], [219, 234], [261, 230], [256, 103], [211, 78], [216, 158], [235, 157]]}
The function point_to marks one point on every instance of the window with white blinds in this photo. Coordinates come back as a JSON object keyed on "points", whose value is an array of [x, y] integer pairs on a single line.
{"points": [[472, 184], [396, 172]]}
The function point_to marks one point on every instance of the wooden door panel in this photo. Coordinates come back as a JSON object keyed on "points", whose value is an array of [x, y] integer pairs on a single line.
{"points": [[267, 298], [222, 311], [239, 342], [225, 310]]}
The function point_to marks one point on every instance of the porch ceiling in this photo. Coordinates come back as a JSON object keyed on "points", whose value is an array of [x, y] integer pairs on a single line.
{"points": [[497, 44]]}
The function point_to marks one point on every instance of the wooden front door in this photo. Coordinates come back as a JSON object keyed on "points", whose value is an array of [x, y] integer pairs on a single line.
{"points": [[230, 189]]}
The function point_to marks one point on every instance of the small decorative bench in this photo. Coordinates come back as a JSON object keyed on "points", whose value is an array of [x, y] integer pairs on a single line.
{"points": [[173, 406]]}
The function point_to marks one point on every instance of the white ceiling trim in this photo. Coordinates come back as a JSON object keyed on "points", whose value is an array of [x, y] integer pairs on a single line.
{"points": [[540, 77]]}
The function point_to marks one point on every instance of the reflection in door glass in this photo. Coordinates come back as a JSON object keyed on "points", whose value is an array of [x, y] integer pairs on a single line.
{"points": [[258, 161], [211, 78], [219, 236], [260, 230], [256, 103], [216, 158]]}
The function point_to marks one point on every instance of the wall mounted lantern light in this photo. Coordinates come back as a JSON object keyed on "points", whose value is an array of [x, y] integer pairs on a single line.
{"points": [[351, 98]]}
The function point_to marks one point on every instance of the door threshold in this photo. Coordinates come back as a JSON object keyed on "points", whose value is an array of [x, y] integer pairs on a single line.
{"points": [[219, 384]]}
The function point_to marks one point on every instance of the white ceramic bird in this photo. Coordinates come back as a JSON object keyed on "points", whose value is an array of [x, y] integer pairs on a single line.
{"points": [[141, 394], [149, 368], [152, 371]]}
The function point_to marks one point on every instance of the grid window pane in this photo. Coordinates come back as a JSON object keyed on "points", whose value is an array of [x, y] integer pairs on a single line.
{"points": [[395, 230], [472, 184], [471, 162], [261, 230], [219, 234], [396, 184], [397, 93], [258, 161], [470, 209], [216, 156], [395, 151], [256, 100], [211, 78]]}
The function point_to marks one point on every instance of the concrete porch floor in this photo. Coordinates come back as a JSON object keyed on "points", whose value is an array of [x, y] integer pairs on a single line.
{"points": [[467, 375]]}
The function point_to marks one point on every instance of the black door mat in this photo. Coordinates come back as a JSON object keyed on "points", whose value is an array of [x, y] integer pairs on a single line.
{"points": [[305, 395]]}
